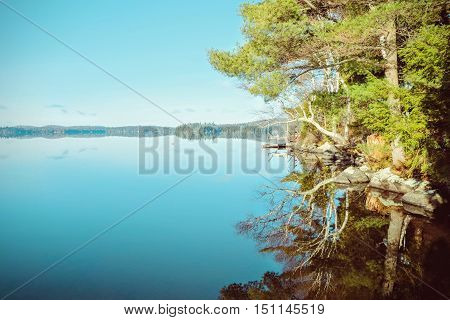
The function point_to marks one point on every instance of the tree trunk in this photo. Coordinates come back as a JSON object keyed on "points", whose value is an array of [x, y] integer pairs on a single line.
{"points": [[391, 69], [391, 73], [336, 137], [333, 135]]}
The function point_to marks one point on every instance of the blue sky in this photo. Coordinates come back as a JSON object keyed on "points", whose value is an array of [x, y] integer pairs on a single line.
{"points": [[157, 47]]}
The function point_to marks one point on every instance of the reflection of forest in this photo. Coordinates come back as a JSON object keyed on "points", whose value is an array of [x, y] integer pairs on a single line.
{"points": [[344, 243]]}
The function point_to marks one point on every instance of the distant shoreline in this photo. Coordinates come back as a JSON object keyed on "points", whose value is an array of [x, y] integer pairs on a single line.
{"points": [[189, 131]]}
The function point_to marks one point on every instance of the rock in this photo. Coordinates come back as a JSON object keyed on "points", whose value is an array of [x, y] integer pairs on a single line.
{"points": [[422, 202], [327, 148], [386, 180], [369, 173], [423, 186], [352, 175], [355, 175], [364, 168], [342, 178]]}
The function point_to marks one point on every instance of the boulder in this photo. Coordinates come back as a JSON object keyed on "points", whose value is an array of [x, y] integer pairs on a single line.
{"points": [[352, 175], [386, 180], [367, 171], [342, 178]]}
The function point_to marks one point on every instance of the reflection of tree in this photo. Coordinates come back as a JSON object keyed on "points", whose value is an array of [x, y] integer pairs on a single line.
{"points": [[334, 246]]}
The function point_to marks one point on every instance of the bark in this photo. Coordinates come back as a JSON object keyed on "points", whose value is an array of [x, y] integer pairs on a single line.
{"points": [[333, 135], [391, 73], [391, 69], [348, 113], [391, 63], [336, 137]]}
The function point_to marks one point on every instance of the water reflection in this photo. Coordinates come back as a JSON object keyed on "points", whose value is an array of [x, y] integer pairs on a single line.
{"points": [[344, 242]]}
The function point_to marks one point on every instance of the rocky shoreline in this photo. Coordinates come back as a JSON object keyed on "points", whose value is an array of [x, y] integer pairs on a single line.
{"points": [[416, 197]]}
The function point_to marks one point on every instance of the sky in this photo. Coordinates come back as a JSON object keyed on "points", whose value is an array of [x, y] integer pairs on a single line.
{"points": [[159, 48]]}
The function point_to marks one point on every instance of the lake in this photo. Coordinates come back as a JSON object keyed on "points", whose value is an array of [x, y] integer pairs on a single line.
{"points": [[57, 194], [170, 218]]}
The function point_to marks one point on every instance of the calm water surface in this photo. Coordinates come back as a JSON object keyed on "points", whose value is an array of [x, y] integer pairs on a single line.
{"points": [[225, 231], [57, 194]]}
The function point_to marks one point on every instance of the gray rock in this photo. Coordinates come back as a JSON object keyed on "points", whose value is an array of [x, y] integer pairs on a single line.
{"points": [[386, 180], [352, 175], [423, 186], [364, 168], [342, 178], [369, 173], [355, 175]]}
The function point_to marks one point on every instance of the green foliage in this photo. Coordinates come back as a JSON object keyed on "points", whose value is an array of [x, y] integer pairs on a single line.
{"points": [[370, 104], [270, 85], [374, 112], [293, 47], [425, 57]]}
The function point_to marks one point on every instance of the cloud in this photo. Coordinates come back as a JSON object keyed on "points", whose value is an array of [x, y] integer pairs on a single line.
{"points": [[189, 110], [2, 107], [66, 110], [57, 107], [175, 111]]}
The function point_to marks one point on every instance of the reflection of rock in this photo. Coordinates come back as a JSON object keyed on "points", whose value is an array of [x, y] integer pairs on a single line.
{"points": [[421, 202], [417, 199], [352, 175], [386, 180], [380, 200]]}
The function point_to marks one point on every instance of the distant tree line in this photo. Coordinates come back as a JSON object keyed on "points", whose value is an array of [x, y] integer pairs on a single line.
{"points": [[252, 130]]}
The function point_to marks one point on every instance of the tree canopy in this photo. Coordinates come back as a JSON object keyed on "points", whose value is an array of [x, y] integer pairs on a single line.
{"points": [[351, 68]]}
